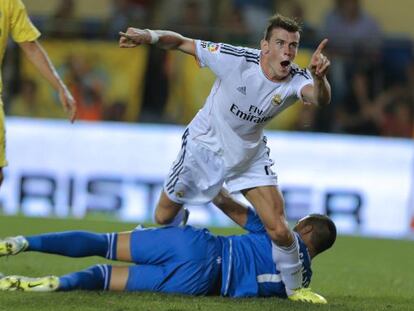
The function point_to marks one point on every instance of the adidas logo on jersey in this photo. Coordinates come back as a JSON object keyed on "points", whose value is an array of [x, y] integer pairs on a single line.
{"points": [[242, 89]]}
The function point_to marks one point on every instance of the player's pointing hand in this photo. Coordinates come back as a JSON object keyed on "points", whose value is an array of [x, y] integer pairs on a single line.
{"points": [[319, 63]]}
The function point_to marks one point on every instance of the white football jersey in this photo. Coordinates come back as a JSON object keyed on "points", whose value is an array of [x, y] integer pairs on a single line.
{"points": [[241, 102]]}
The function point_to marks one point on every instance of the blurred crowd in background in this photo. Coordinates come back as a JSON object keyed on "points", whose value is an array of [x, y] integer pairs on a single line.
{"points": [[372, 73]]}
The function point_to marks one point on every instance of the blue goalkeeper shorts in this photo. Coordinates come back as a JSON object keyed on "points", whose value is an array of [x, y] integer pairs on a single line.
{"points": [[182, 260]]}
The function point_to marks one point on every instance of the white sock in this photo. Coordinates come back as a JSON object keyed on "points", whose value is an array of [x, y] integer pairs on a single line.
{"points": [[288, 263], [178, 218]]}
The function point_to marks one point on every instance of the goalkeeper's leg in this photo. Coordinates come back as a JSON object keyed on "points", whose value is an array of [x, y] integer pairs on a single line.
{"points": [[71, 244], [94, 278], [98, 277]]}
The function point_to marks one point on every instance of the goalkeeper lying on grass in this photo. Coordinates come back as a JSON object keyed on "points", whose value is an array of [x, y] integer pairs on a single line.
{"points": [[182, 260]]}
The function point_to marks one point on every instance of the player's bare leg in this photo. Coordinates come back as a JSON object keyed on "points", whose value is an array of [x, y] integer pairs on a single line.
{"points": [[269, 204], [123, 247], [166, 210], [119, 278]]}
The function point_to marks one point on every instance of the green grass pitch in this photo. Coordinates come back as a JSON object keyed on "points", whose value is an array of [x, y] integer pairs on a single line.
{"points": [[357, 274]]}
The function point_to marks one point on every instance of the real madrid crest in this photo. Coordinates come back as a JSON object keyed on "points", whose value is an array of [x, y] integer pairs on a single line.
{"points": [[179, 194], [276, 100]]}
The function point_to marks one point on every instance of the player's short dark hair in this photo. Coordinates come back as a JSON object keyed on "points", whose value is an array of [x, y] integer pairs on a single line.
{"points": [[280, 21], [324, 231]]}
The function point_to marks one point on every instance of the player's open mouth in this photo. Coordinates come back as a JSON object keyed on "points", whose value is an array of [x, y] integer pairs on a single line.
{"points": [[285, 63]]}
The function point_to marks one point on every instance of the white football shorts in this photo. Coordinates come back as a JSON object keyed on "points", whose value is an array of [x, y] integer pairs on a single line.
{"points": [[198, 174]]}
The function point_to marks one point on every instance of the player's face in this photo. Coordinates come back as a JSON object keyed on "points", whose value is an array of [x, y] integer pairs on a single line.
{"points": [[300, 224], [279, 52]]}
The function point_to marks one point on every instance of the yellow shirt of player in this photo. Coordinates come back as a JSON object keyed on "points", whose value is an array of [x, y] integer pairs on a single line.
{"points": [[14, 21]]}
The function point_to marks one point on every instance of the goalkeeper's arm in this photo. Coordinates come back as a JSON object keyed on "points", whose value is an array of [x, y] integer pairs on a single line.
{"points": [[164, 39], [238, 212]]}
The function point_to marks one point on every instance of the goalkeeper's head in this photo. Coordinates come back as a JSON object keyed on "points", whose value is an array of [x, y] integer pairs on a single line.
{"points": [[317, 231]]}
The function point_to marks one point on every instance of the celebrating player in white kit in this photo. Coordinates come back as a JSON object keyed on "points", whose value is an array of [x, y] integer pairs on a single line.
{"points": [[224, 143]]}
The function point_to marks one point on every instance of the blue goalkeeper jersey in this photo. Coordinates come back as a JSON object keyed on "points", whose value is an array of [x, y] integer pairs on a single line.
{"points": [[248, 269]]}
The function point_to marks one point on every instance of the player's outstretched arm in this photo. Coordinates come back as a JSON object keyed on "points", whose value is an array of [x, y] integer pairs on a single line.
{"points": [[164, 39], [235, 210], [320, 92], [39, 58]]}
